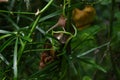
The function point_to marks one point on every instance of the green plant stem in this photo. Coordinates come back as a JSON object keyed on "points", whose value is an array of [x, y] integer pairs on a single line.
{"points": [[69, 15], [10, 12], [68, 25], [110, 32], [50, 2], [33, 27], [64, 6], [67, 46], [110, 29], [37, 50]]}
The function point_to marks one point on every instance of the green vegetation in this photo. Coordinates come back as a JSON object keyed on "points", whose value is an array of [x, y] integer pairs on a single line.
{"points": [[31, 50]]}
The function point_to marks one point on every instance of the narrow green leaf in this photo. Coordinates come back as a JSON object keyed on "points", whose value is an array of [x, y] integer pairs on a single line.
{"points": [[92, 62], [6, 43], [4, 36], [4, 32], [11, 21], [40, 30], [4, 59], [26, 17], [50, 16], [15, 70], [74, 69], [33, 50], [91, 50], [21, 42], [44, 71]]}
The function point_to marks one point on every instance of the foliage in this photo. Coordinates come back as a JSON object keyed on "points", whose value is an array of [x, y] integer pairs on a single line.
{"points": [[89, 54]]}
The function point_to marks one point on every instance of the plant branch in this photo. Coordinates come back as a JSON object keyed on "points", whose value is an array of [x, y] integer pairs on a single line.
{"points": [[33, 27]]}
